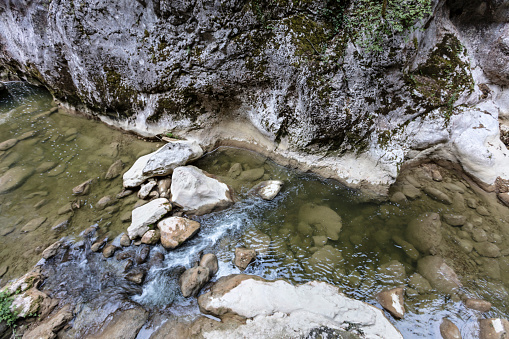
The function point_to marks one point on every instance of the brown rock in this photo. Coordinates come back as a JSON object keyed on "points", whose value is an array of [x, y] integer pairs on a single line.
{"points": [[487, 249], [109, 250], [123, 255], [209, 261], [125, 241], [83, 188], [151, 237], [128, 264], [52, 250], [439, 274], [493, 328], [104, 202], [96, 247], [455, 219], [5, 145], [136, 276], [51, 326], [124, 324], [504, 197], [478, 304], [114, 170], [243, 257], [176, 230], [163, 187], [143, 255], [192, 280], [437, 195], [449, 330], [392, 301]]}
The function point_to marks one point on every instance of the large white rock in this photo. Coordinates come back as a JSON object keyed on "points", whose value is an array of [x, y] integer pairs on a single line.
{"points": [[148, 214], [280, 310], [198, 193], [162, 162]]}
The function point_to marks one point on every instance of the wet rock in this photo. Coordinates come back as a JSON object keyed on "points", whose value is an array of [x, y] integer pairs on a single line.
{"points": [[52, 250], [104, 202], [125, 217], [487, 249], [136, 276], [235, 170], [324, 260], [128, 265], [162, 162], [33, 224], [439, 274], [192, 280], [243, 257], [14, 178], [109, 250], [46, 166], [49, 328], [493, 328], [209, 261], [419, 283], [148, 214], [123, 255], [61, 224], [114, 170], [479, 235], [425, 233], [465, 245], [145, 189], [269, 189], [176, 230], [151, 237], [28, 302], [392, 273], [478, 304], [143, 255], [504, 197], [251, 175], [320, 240], [437, 195], [398, 198], [57, 170], [482, 211], [5, 145], [455, 219], [65, 209], [124, 324], [27, 135], [305, 307], [409, 249], [3, 270], [197, 193], [411, 192], [449, 330], [435, 174], [96, 247], [258, 241], [124, 193], [322, 220], [392, 301], [157, 259], [7, 231], [163, 187], [125, 241]]}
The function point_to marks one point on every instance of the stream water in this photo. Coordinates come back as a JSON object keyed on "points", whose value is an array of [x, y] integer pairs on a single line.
{"points": [[364, 258]]}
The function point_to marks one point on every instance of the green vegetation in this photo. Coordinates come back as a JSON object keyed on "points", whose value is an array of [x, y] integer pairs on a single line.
{"points": [[5, 309]]}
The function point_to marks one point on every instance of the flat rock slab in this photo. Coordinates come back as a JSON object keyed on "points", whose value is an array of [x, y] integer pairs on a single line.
{"points": [[5, 145], [278, 309], [162, 162], [176, 230], [14, 178], [51, 326], [197, 192], [124, 324], [148, 214]]}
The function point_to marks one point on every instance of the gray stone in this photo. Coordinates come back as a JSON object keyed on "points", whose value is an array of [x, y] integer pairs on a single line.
{"points": [[455, 219], [193, 279], [176, 230], [197, 193], [425, 233], [49, 328], [437, 195], [14, 177], [243, 257], [148, 214], [123, 324], [252, 175], [392, 301], [449, 330], [145, 189], [114, 170]]}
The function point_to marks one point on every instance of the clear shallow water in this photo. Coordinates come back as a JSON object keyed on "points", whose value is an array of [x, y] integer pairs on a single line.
{"points": [[280, 229]]}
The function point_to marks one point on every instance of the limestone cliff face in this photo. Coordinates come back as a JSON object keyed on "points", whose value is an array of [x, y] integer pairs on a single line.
{"points": [[281, 76]]}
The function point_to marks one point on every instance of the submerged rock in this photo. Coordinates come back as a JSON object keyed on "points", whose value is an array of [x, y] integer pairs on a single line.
{"points": [[83, 188], [439, 274], [478, 304], [322, 219], [197, 193], [305, 307], [193, 279], [52, 250], [437, 195], [176, 230], [392, 301], [146, 215], [425, 233], [269, 189], [14, 177], [114, 170], [33, 224], [449, 330]]}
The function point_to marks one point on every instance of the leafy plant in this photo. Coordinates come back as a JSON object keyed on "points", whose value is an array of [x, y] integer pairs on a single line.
{"points": [[5, 309]]}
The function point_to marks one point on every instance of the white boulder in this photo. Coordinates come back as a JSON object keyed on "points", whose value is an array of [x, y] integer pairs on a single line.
{"points": [[269, 189], [148, 214], [198, 193]]}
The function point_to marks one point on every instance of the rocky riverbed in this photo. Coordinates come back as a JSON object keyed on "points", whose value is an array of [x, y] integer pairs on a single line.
{"points": [[432, 258]]}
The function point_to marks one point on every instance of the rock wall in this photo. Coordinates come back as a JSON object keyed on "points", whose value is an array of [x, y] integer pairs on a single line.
{"points": [[280, 77]]}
